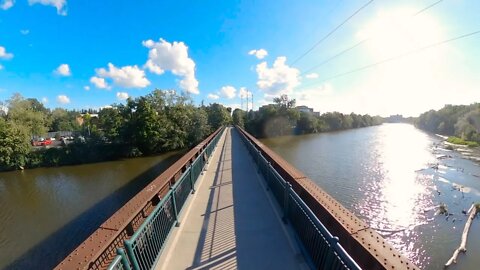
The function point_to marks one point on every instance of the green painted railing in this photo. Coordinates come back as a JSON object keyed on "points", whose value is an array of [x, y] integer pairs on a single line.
{"points": [[321, 249], [120, 262], [145, 246]]}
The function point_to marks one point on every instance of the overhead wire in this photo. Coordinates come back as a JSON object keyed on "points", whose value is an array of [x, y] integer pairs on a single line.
{"points": [[396, 57], [362, 41], [331, 32]]}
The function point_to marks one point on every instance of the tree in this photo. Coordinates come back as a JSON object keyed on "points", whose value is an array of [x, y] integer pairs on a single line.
{"points": [[111, 121], [14, 145], [63, 120], [199, 128], [28, 113], [238, 117], [218, 115]]}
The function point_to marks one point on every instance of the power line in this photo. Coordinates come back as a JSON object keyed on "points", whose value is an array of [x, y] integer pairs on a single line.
{"points": [[331, 32], [398, 56], [428, 7], [363, 41]]}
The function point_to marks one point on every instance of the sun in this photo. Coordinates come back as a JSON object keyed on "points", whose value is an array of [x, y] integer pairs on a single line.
{"points": [[393, 32]]}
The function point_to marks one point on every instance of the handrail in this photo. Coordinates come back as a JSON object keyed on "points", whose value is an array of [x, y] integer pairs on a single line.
{"points": [[357, 240], [147, 243], [99, 249], [335, 256]]}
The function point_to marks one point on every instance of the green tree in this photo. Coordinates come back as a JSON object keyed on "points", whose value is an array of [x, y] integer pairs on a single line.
{"points": [[239, 117], [29, 114], [14, 145], [111, 122], [218, 115]]}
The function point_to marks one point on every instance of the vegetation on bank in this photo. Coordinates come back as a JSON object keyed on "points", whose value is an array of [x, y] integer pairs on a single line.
{"points": [[281, 118], [457, 140], [158, 122], [461, 122]]}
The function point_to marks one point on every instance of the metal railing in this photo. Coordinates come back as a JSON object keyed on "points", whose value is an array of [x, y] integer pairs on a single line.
{"points": [[146, 244], [320, 247]]}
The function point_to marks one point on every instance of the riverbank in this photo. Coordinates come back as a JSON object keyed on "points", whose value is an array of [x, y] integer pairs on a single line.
{"points": [[460, 141], [467, 151]]}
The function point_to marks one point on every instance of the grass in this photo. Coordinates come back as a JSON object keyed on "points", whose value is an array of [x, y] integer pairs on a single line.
{"points": [[457, 140]]}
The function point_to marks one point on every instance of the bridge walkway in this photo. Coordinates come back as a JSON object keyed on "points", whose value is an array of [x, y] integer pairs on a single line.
{"points": [[231, 222]]}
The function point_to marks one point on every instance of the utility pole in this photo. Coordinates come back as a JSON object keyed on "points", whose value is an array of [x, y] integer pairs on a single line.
{"points": [[247, 100], [241, 102]]}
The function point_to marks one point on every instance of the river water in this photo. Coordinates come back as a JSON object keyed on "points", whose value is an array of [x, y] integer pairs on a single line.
{"points": [[384, 175], [45, 213]]}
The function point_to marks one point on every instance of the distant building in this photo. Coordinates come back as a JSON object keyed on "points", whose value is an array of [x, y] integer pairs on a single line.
{"points": [[306, 109], [80, 119]]}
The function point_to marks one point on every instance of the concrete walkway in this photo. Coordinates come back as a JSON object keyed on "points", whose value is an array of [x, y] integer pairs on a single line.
{"points": [[231, 222]]}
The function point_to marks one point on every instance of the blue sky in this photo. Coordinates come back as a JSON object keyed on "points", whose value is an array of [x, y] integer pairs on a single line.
{"points": [[88, 54]]}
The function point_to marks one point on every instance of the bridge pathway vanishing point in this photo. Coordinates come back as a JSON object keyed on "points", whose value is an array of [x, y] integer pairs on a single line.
{"points": [[231, 222]]}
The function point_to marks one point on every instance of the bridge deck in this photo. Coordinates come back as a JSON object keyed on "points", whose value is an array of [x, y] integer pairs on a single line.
{"points": [[231, 221]]}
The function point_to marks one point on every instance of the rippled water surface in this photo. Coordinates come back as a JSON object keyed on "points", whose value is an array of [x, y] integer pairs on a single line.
{"points": [[45, 213], [384, 174]]}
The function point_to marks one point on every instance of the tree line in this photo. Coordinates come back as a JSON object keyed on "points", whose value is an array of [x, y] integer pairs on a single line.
{"points": [[462, 121], [158, 122], [282, 118]]}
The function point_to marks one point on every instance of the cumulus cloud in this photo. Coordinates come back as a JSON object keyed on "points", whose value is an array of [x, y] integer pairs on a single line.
{"points": [[4, 54], [127, 76], [213, 96], [122, 95], [279, 79], [243, 93], [86, 87], [165, 56], [44, 100], [6, 4], [63, 99], [99, 82], [312, 75], [24, 31], [60, 5], [63, 70], [260, 53], [228, 91]]}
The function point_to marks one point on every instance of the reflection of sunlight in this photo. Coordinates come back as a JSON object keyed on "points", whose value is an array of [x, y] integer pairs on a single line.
{"points": [[400, 194], [402, 154]]}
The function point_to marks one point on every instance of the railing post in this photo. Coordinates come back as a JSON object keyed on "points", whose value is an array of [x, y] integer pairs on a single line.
{"points": [[174, 203], [288, 189], [192, 182], [131, 255], [125, 263]]}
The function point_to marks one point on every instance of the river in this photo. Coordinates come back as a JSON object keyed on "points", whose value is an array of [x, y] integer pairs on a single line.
{"points": [[45, 213], [384, 175]]}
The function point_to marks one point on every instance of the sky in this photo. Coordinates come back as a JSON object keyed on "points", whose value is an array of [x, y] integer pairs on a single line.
{"points": [[89, 54]]}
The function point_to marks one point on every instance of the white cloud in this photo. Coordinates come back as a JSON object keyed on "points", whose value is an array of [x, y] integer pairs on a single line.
{"points": [[44, 100], [99, 82], [60, 5], [213, 96], [127, 76], [122, 95], [243, 93], [6, 4], [4, 54], [312, 75], [228, 91], [260, 53], [86, 87], [279, 79], [24, 31], [165, 56], [63, 70], [63, 99]]}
